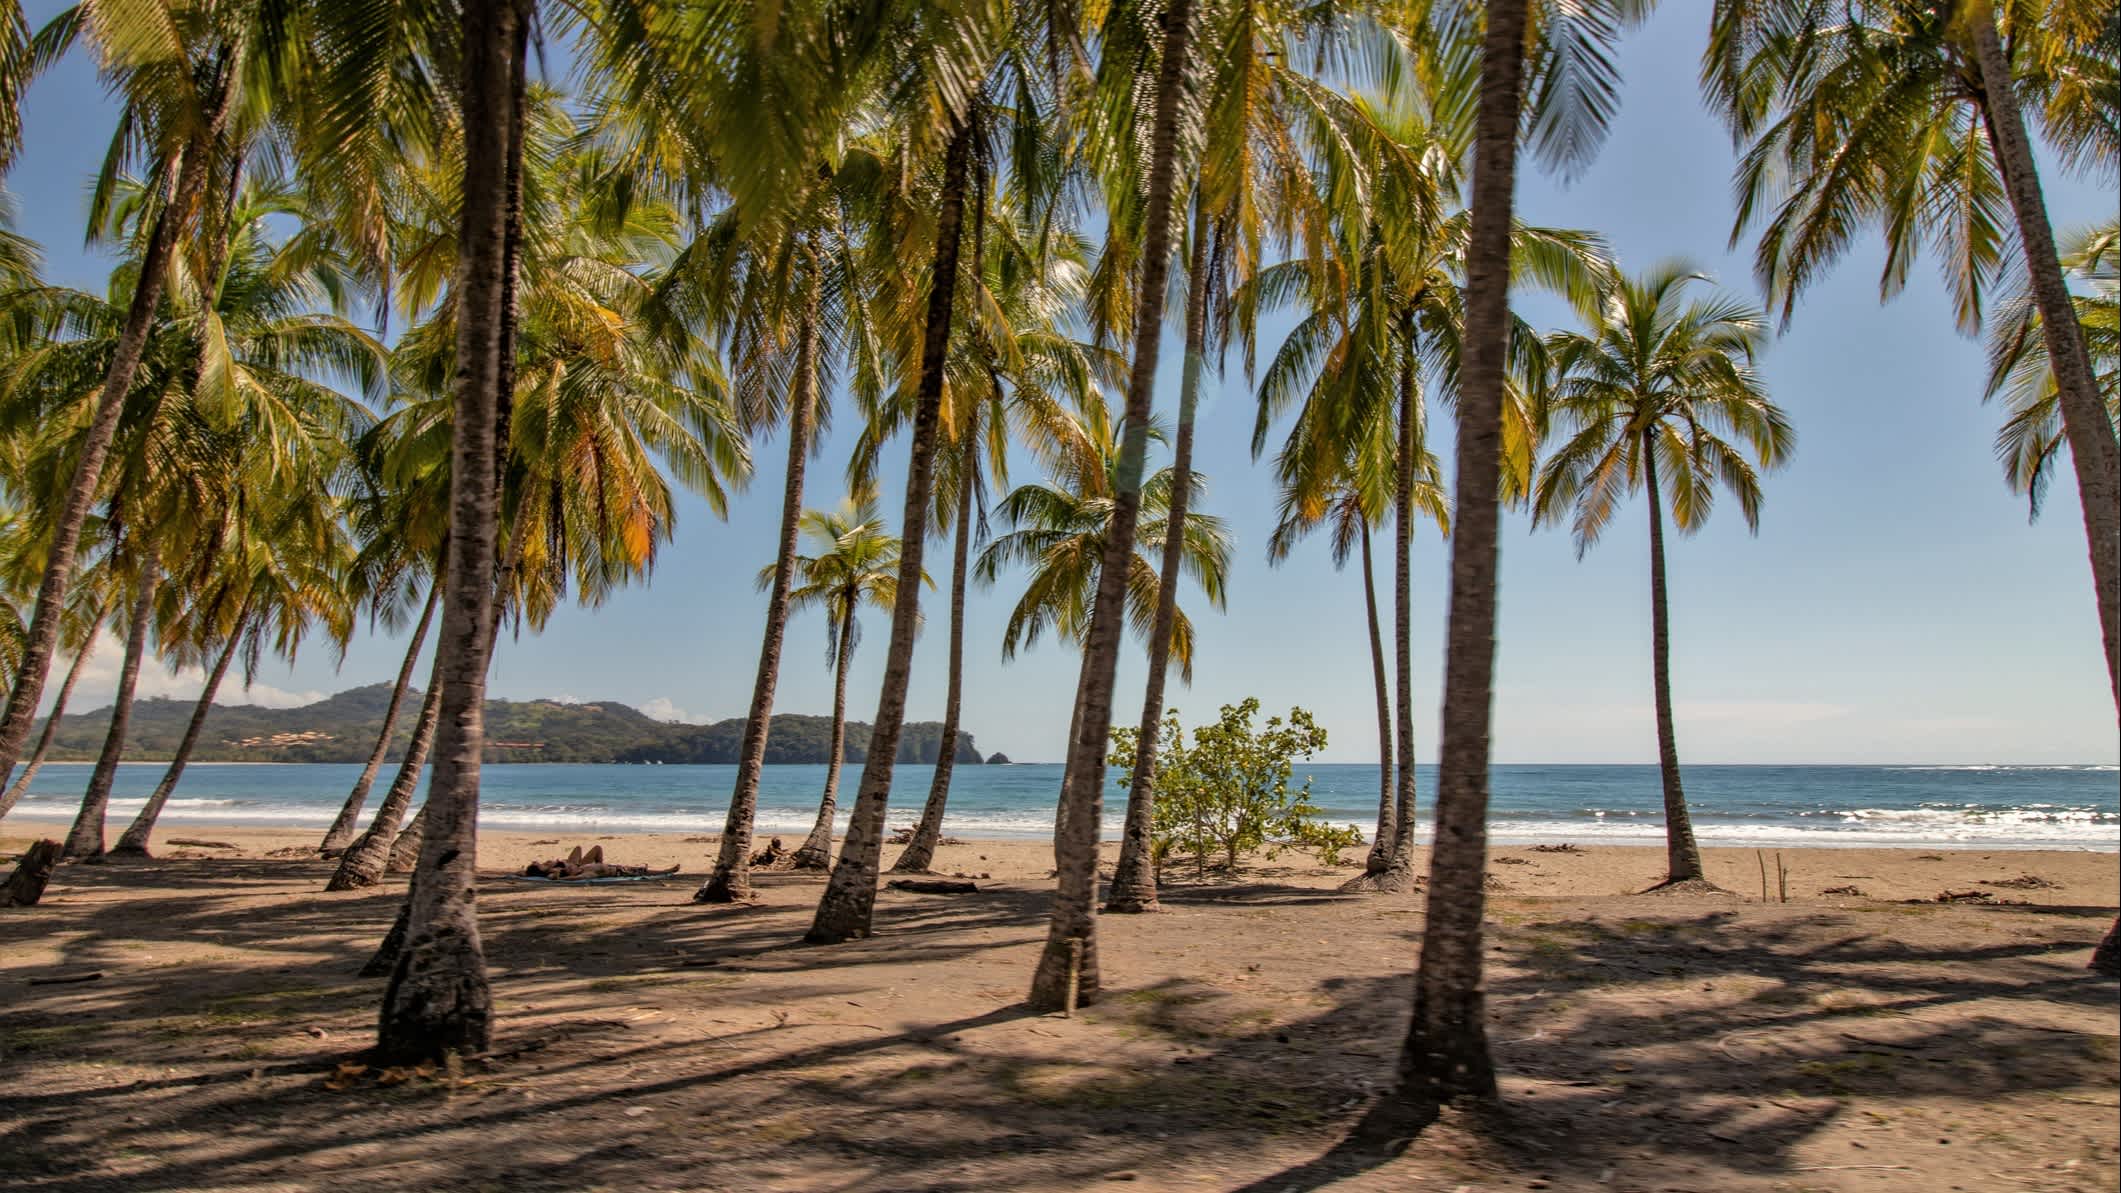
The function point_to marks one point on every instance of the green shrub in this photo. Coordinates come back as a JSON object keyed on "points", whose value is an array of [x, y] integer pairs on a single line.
{"points": [[1228, 790]]}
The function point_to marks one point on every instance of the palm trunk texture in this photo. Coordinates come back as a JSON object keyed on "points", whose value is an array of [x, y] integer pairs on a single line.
{"points": [[1068, 966], [1134, 878], [919, 854], [342, 827], [850, 897], [438, 1001], [816, 853], [1682, 855], [134, 840], [20, 786], [85, 838], [1446, 1053], [730, 881]]}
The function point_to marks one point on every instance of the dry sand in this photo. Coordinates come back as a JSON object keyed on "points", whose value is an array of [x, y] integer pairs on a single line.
{"points": [[1647, 1043]]}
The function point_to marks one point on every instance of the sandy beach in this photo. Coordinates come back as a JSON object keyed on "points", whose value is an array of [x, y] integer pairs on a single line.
{"points": [[2058, 877], [1840, 1041]]}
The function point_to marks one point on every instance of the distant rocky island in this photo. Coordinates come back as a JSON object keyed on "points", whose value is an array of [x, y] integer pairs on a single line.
{"points": [[342, 728]]}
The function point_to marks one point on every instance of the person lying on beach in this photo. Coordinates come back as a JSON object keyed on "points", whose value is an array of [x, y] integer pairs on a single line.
{"points": [[578, 865]]}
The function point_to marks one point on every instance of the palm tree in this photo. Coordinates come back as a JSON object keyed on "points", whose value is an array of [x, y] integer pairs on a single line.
{"points": [[843, 911], [438, 1000], [179, 99], [290, 555], [1061, 534], [1349, 509], [2032, 436], [1571, 100], [1383, 308], [856, 564], [1827, 99], [1068, 966], [1017, 377], [1650, 392]]}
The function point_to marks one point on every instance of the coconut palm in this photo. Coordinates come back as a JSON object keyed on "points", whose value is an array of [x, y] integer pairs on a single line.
{"points": [[1017, 377], [1552, 61], [437, 1000], [1349, 509], [984, 52], [1660, 397], [1382, 327], [856, 564], [1905, 113], [183, 81], [2032, 436], [1060, 534]]}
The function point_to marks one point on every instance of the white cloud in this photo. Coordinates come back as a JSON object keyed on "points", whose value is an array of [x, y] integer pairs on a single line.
{"points": [[99, 681], [662, 709]]}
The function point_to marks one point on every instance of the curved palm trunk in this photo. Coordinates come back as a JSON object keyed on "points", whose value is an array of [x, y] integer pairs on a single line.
{"points": [[405, 851], [1380, 859], [85, 839], [134, 840], [362, 865], [1070, 956], [816, 853], [1134, 879], [42, 637], [438, 1001], [20, 787], [342, 827], [920, 852], [844, 910], [2092, 448], [1682, 855], [1446, 1053], [2106, 958], [730, 881]]}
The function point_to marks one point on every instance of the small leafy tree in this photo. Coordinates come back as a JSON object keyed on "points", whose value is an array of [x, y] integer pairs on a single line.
{"points": [[1229, 790]]}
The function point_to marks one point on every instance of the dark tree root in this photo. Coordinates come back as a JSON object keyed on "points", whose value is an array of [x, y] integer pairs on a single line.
{"points": [[1687, 886], [1386, 882]]}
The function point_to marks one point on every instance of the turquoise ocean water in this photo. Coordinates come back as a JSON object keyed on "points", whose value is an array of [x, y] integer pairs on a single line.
{"points": [[1935, 806]]}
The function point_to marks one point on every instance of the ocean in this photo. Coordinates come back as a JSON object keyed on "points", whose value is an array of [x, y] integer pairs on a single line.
{"points": [[1970, 807]]}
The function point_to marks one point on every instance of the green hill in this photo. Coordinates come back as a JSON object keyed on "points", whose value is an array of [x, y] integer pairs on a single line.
{"points": [[342, 728]]}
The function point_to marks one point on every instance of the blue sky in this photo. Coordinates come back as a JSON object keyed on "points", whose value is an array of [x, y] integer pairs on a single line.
{"points": [[1895, 607]]}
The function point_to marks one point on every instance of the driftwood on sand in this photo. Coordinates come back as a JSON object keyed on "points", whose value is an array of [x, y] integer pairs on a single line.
{"points": [[933, 886]]}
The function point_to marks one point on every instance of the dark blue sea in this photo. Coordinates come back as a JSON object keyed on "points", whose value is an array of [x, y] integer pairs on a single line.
{"points": [[1933, 806]]}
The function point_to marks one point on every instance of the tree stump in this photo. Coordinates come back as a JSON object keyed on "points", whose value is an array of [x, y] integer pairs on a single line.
{"points": [[26, 885]]}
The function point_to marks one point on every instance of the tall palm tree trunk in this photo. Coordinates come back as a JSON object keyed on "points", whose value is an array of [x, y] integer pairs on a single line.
{"points": [[362, 865], [920, 852], [2092, 447], [20, 787], [730, 881], [342, 827], [1134, 878], [1682, 854], [438, 1000], [816, 853], [1380, 859], [1446, 1053], [134, 840], [844, 910], [42, 637], [85, 839], [1070, 956], [1399, 868]]}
